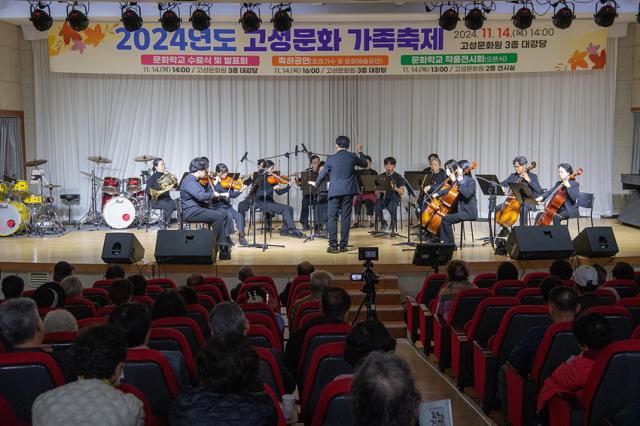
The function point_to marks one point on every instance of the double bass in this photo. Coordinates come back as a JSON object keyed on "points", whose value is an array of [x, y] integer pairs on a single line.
{"points": [[438, 208], [556, 200], [508, 214]]}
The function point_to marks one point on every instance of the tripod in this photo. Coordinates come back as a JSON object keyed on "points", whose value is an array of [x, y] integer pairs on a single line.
{"points": [[369, 293], [92, 215]]}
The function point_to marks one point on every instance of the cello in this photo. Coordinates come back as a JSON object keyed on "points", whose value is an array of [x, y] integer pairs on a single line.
{"points": [[556, 200], [508, 214]]}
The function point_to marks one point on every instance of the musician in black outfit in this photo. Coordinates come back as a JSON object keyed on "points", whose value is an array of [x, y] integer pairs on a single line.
{"points": [[466, 202], [308, 199], [572, 189], [322, 203], [164, 201], [223, 202], [428, 170], [520, 174], [390, 200], [366, 198], [434, 176]]}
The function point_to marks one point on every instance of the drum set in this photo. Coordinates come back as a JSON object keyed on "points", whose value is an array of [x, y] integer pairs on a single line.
{"points": [[21, 210]]}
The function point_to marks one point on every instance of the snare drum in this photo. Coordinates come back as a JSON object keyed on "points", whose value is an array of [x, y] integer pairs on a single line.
{"points": [[20, 187], [14, 218], [134, 184], [120, 212], [33, 199], [111, 185]]}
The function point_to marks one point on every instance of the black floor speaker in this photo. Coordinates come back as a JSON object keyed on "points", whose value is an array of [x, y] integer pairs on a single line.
{"points": [[539, 242], [597, 241], [120, 247], [186, 247]]}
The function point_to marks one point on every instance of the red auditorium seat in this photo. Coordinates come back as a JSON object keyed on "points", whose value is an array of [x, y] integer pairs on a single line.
{"points": [[80, 307], [106, 311], [620, 319], [87, 322], [264, 282], [264, 320], [145, 300], [269, 371], [606, 297], [42, 311], [211, 291], [429, 291], [153, 291], [636, 277], [206, 301], [220, 284], [200, 315], [8, 416], [165, 283], [530, 296], [625, 288], [334, 404], [533, 279], [99, 296], [276, 404], [296, 282], [485, 280], [103, 284], [316, 336], [260, 335], [508, 288], [149, 418], [168, 339], [188, 327], [301, 290], [633, 306], [306, 318], [303, 309], [61, 339]]}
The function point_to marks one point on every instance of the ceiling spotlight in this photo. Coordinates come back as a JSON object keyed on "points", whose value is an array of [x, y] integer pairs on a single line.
{"points": [[524, 17], [131, 17], [249, 19], [449, 19], [170, 17], [200, 19], [608, 13], [281, 19], [474, 19], [40, 15], [563, 17], [77, 16]]}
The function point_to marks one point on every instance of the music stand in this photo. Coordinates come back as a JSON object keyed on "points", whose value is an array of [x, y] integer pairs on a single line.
{"points": [[308, 189], [383, 184], [433, 254], [491, 187], [523, 193], [415, 179]]}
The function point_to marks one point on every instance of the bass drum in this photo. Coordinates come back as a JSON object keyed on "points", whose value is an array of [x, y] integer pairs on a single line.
{"points": [[14, 218], [120, 212]]}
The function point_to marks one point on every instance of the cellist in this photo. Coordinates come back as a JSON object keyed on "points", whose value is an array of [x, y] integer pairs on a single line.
{"points": [[520, 174], [571, 188], [467, 202]]}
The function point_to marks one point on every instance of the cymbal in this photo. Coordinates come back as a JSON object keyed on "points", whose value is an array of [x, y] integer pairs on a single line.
{"points": [[87, 174], [99, 159], [52, 185], [35, 163], [144, 158]]}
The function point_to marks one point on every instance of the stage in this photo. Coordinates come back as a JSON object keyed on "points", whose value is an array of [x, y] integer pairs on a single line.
{"points": [[83, 249]]}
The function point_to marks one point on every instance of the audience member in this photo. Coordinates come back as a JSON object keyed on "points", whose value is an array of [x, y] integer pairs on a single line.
{"points": [[593, 333], [114, 272], [99, 357], [257, 294], [139, 285], [243, 273], [561, 268], [230, 391], [195, 280], [319, 283], [12, 287], [72, 286], [507, 271], [62, 270], [458, 280], [366, 337], [303, 269], [384, 392], [169, 304], [120, 291], [59, 320], [49, 295], [548, 284], [623, 271], [586, 279], [602, 273], [189, 295], [23, 330]]}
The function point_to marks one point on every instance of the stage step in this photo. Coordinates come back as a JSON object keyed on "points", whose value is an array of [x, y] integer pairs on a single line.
{"points": [[397, 329], [386, 297]]}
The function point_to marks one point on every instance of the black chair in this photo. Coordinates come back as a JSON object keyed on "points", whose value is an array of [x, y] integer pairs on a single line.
{"points": [[585, 201]]}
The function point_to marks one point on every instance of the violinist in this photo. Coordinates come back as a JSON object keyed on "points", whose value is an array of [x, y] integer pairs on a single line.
{"points": [[308, 199], [390, 200], [164, 201], [195, 201], [521, 174], [223, 202], [435, 176], [466, 201], [571, 188], [366, 198]]}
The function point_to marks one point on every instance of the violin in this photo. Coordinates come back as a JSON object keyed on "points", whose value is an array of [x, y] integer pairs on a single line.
{"points": [[207, 179], [508, 215], [229, 182], [556, 200], [278, 180]]}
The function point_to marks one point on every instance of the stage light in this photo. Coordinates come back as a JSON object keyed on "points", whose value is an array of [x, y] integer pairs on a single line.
{"points": [[524, 17], [563, 17], [281, 19], [170, 17], [474, 19], [249, 19], [77, 16], [131, 17], [40, 15], [449, 19], [200, 19], [607, 14]]}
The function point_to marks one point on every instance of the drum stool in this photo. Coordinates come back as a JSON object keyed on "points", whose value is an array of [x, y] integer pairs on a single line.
{"points": [[70, 199]]}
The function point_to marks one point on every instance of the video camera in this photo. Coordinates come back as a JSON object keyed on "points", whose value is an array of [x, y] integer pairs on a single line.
{"points": [[368, 276]]}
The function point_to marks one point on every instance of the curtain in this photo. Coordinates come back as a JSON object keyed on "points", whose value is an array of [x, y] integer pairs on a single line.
{"points": [[11, 155], [547, 117]]}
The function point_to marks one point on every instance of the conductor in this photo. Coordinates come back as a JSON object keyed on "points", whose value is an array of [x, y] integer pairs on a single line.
{"points": [[342, 187]]}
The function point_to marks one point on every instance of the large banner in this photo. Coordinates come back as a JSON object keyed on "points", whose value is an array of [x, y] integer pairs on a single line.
{"points": [[322, 50]]}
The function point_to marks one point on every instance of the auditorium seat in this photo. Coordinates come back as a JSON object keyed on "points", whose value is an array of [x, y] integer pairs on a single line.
{"points": [[168, 339], [268, 286], [220, 284], [298, 282], [306, 318], [620, 319], [316, 336], [533, 279], [299, 291], [625, 288], [206, 301], [633, 306], [636, 277], [303, 309], [149, 418], [87, 322], [24, 376], [61, 339], [484, 324], [106, 311], [269, 371], [274, 398], [557, 346], [211, 291], [42, 311], [257, 308], [99, 296], [485, 280], [530, 296], [8, 416], [508, 288], [429, 291], [165, 283], [145, 300], [103, 284], [200, 315], [260, 335], [605, 296], [334, 404], [188, 327], [80, 307], [612, 386], [488, 359], [153, 291], [265, 321]]}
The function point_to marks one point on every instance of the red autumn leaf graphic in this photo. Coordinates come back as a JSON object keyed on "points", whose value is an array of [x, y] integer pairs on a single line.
{"points": [[577, 60], [598, 60], [94, 36], [68, 33]]}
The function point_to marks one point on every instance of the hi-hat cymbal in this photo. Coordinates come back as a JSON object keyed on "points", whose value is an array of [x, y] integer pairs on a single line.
{"points": [[144, 158], [35, 163], [52, 185], [87, 174], [99, 159]]}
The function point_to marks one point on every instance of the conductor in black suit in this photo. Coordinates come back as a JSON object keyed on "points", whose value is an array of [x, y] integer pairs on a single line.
{"points": [[342, 188]]}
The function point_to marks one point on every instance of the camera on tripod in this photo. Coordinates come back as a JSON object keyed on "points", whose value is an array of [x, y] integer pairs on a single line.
{"points": [[370, 279]]}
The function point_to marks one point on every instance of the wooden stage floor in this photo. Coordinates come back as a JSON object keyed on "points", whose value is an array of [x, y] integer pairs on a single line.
{"points": [[83, 249]]}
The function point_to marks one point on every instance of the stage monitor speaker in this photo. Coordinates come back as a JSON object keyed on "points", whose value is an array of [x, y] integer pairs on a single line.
{"points": [[598, 241], [433, 254], [539, 242], [185, 247], [121, 247]]}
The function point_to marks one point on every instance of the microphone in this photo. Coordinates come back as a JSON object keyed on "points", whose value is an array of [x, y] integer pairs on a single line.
{"points": [[244, 157], [304, 148], [309, 154], [297, 150]]}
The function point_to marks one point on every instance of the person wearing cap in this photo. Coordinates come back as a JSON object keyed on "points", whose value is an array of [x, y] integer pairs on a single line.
{"points": [[586, 279], [61, 270]]}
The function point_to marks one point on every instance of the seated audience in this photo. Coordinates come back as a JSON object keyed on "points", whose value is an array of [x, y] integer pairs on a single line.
{"points": [[120, 291], [135, 321], [195, 280], [593, 333], [189, 296], [303, 269], [99, 357], [458, 280], [366, 337], [62, 270], [139, 285], [59, 320], [623, 271], [561, 268], [586, 279], [72, 286], [602, 273], [257, 294], [384, 392], [319, 282], [23, 330], [114, 272], [169, 304], [230, 391], [548, 284], [243, 273], [12, 287], [507, 271], [49, 295]]}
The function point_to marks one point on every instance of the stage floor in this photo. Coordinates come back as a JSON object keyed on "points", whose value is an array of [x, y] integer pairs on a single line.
{"points": [[84, 248]]}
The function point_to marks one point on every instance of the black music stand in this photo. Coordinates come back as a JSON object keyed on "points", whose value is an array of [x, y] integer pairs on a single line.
{"points": [[523, 193], [415, 179], [308, 189], [491, 187]]}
